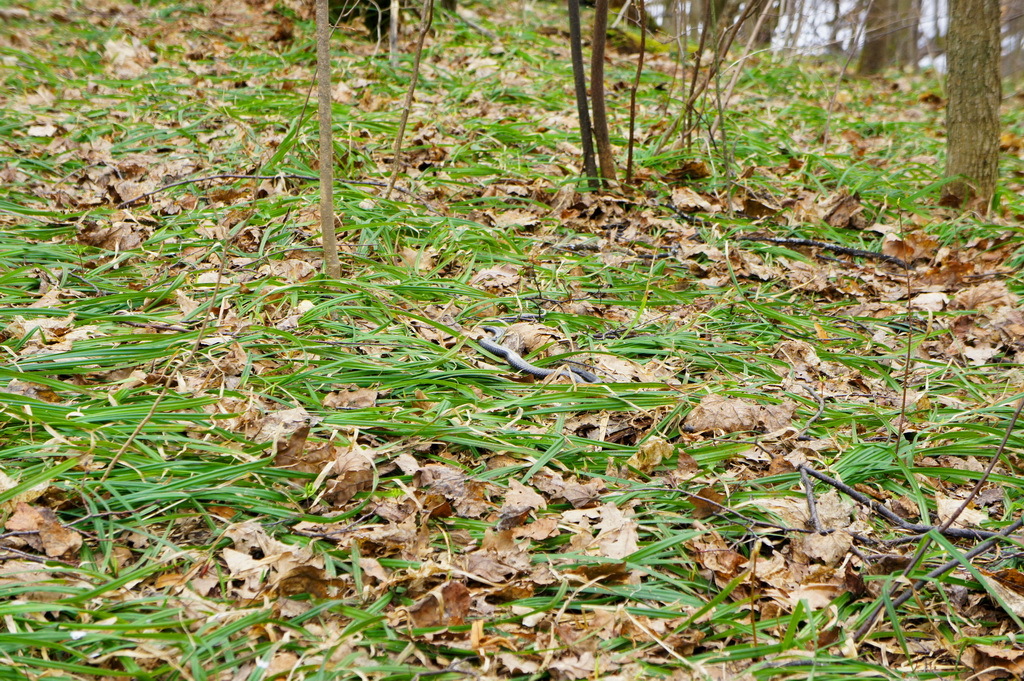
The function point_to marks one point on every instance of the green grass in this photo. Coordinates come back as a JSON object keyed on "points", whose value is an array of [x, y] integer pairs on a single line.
{"points": [[144, 407]]}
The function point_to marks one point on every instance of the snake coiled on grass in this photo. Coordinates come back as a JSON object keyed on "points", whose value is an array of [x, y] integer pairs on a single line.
{"points": [[514, 359]]}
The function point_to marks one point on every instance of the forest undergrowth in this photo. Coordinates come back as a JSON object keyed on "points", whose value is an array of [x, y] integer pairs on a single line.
{"points": [[216, 463]]}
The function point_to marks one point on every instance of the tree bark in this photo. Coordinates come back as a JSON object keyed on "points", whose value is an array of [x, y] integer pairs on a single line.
{"points": [[877, 52], [605, 158], [974, 92], [906, 33], [580, 84], [323, 68]]}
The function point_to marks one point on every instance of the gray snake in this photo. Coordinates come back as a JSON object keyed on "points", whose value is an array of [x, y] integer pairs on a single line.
{"points": [[515, 360]]}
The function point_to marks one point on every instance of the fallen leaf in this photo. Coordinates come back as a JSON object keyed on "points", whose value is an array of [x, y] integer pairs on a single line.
{"points": [[43, 532]]}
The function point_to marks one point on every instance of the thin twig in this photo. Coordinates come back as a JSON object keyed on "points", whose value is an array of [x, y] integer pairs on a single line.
{"points": [[580, 87], [956, 532], [812, 505], [428, 16], [845, 250], [817, 415], [636, 85], [946, 528], [332, 266], [863, 629]]}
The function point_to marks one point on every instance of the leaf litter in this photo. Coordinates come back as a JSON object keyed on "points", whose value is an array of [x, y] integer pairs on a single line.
{"points": [[313, 474]]}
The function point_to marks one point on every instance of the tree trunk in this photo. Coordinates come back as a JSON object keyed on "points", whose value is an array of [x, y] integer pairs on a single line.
{"points": [[326, 156], [580, 84], [605, 159], [765, 31], [974, 92], [906, 32], [877, 52]]}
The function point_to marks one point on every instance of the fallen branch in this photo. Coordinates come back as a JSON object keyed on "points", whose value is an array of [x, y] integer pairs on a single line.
{"points": [[835, 248], [945, 528], [956, 532]]}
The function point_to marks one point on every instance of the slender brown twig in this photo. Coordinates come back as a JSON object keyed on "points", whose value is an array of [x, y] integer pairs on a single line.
{"points": [[636, 85], [844, 250], [428, 16], [946, 528]]}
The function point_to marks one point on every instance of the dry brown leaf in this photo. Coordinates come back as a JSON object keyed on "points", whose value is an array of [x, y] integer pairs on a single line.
{"points": [[501, 279], [7, 483], [687, 466], [650, 454], [572, 667], [304, 579], [446, 605], [984, 297], [689, 201], [581, 496], [289, 450], [730, 415], [707, 502], [43, 531], [21, 574], [802, 358], [119, 237], [278, 424], [127, 59], [519, 495], [712, 553], [540, 529], [465, 495], [618, 533], [991, 662], [970, 517], [843, 211], [911, 246], [829, 548], [1009, 584]]}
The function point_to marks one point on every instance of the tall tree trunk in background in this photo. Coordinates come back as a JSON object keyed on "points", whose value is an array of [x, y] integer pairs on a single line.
{"points": [[763, 37], [906, 32], [974, 91], [605, 158], [877, 52]]}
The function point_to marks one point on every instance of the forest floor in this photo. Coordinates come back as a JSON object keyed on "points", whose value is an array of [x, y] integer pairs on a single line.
{"points": [[217, 463]]}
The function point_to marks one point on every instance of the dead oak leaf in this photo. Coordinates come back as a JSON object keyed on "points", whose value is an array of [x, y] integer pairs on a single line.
{"points": [[991, 662], [8, 483], [1009, 586], [503, 278], [353, 472], [618, 534], [969, 517], [42, 531], [519, 495], [910, 247], [446, 605], [827, 548], [712, 553], [650, 454], [985, 297], [571, 667], [22, 574], [517, 218], [465, 495], [279, 424], [127, 59], [305, 579], [731, 415]]}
